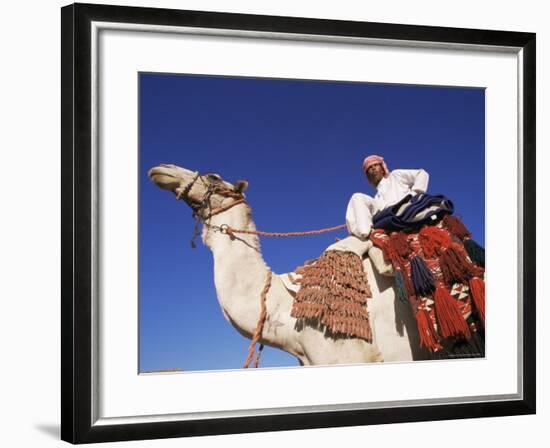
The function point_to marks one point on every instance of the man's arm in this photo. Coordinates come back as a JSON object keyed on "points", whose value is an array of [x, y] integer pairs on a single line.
{"points": [[417, 180]]}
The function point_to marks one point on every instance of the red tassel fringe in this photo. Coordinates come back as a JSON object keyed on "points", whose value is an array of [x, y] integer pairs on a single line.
{"points": [[477, 289], [456, 227], [450, 320], [400, 245], [433, 240], [454, 266], [426, 331]]}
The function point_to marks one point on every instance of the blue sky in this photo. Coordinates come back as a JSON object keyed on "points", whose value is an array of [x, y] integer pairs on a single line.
{"points": [[300, 144]]}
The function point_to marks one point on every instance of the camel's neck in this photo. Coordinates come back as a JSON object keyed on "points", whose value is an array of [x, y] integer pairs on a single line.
{"points": [[239, 269], [243, 245]]}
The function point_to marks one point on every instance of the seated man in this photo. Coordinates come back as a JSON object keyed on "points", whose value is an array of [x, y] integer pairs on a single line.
{"points": [[391, 188]]}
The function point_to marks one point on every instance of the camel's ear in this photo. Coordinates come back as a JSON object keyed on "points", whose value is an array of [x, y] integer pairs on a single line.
{"points": [[241, 185]]}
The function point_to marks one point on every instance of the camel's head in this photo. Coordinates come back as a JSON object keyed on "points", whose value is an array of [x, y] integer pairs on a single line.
{"points": [[198, 190]]}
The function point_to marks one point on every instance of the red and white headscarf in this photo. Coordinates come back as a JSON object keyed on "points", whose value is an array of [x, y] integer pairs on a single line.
{"points": [[373, 160]]}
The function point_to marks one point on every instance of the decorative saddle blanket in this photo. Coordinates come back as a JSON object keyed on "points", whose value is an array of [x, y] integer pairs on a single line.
{"points": [[333, 295], [440, 271], [413, 212]]}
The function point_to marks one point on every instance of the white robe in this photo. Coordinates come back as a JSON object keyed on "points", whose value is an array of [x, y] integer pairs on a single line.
{"points": [[390, 190]]}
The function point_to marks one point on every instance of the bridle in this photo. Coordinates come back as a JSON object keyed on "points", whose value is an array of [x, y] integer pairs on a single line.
{"points": [[202, 210], [199, 207]]}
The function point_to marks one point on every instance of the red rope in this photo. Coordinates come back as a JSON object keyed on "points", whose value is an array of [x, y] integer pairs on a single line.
{"points": [[229, 230]]}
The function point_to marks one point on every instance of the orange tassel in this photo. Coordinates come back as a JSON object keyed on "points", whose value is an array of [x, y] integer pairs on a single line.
{"points": [[477, 289], [450, 320], [456, 227], [433, 240], [400, 244], [426, 331], [454, 265]]}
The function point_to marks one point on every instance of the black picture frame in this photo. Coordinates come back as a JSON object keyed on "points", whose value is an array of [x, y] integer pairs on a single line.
{"points": [[77, 424]]}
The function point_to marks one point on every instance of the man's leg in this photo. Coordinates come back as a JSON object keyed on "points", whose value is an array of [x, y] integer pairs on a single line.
{"points": [[361, 209]]}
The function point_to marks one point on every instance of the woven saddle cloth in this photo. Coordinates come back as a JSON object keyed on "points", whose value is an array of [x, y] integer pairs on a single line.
{"points": [[353, 244]]}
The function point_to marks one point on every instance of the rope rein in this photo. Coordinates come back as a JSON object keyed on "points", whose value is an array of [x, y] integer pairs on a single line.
{"points": [[260, 325], [224, 228], [199, 207]]}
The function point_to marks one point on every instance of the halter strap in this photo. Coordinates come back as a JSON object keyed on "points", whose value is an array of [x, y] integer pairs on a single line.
{"points": [[185, 192], [200, 207], [225, 208]]}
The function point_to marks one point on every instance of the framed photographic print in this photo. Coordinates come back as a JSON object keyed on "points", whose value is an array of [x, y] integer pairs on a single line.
{"points": [[332, 213]]}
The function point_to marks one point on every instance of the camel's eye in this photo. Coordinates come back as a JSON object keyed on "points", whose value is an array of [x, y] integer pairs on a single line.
{"points": [[213, 177]]}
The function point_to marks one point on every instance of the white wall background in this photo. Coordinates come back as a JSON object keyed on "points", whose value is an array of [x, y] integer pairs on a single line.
{"points": [[30, 220]]}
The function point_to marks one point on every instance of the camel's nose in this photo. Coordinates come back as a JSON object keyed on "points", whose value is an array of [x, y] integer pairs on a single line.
{"points": [[162, 169]]}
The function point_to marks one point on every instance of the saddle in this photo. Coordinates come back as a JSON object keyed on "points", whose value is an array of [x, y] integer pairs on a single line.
{"points": [[364, 249], [439, 271]]}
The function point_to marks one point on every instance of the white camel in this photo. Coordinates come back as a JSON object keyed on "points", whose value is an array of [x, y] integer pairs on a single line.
{"points": [[240, 273]]}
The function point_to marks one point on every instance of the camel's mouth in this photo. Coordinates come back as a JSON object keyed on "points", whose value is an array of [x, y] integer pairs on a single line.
{"points": [[163, 178]]}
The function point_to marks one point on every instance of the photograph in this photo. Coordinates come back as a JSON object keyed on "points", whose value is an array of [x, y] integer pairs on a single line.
{"points": [[304, 222], [255, 207], [274, 223]]}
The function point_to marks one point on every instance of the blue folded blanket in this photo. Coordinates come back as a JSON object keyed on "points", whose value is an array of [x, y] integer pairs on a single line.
{"points": [[413, 212]]}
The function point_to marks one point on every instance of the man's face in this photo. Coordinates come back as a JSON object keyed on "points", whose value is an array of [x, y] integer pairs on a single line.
{"points": [[375, 173]]}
